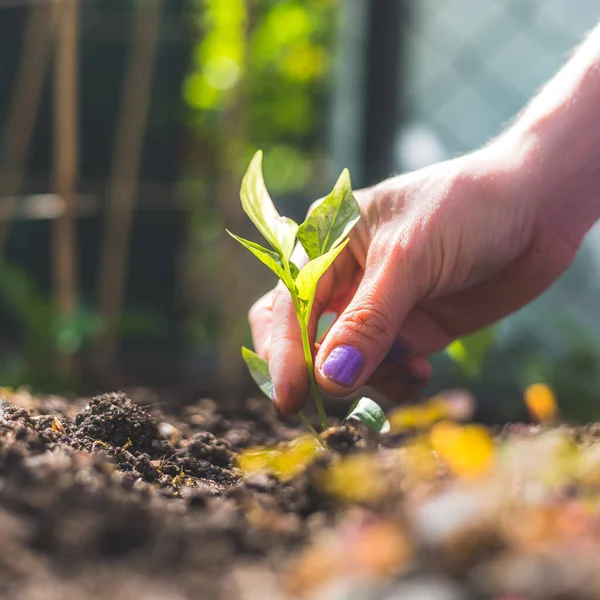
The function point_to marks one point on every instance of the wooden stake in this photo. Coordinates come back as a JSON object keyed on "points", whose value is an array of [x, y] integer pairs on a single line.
{"points": [[64, 243], [25, 100], [124, 177], [233, 297]]}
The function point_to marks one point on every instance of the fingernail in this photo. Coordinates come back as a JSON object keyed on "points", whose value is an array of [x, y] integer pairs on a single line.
{"points": [[343, 365], [398, 351], [274, 400], [414, 381]]}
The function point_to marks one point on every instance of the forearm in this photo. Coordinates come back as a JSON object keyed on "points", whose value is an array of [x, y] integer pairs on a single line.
{"points": [[557, 139]]}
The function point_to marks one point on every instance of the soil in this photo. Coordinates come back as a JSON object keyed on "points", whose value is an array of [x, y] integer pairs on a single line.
{"points": [[121, 497]]}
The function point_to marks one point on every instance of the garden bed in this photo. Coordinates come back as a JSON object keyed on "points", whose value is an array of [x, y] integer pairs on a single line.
{"points": [[117, 498]]}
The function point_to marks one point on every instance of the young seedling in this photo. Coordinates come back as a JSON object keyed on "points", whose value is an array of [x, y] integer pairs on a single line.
{"points": [[323, 235]]}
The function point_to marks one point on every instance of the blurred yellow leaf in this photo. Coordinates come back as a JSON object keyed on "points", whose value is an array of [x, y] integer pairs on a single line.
{"points": [[255, 459], [541, 402], [467, 450], [419, 461], [284, 461], [294, 457], [420, 416], [354, 478]]}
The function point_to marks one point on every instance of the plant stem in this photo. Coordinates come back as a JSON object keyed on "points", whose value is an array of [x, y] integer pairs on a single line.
{"points": [[311, 428], [352, 407], [313, 380], [309, 363], [303, 317]]}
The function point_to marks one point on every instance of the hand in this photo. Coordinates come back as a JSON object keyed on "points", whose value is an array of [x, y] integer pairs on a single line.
{"points": [[437, 254]]}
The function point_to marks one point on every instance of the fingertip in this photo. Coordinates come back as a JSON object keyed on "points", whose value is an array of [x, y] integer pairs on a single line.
{"points": [[420, 370], [418, 376], [289, 400]]}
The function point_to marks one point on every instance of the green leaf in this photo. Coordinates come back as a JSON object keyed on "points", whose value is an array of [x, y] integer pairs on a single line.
{"points": [[469, 352], [259, 370], [279, 231], [268, 257], [369, 413], [311, 272], [331, 221]]}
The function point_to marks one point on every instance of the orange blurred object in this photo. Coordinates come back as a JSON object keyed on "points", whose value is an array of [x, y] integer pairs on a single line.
{"points": [[541, 403]]}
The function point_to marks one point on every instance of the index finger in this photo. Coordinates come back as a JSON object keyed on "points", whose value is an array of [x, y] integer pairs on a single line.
{"points": [[287, 366], [260, 318]]}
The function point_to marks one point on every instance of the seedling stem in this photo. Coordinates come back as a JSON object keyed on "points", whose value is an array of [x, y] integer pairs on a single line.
{"points": [[310, 428], [303, 316]]}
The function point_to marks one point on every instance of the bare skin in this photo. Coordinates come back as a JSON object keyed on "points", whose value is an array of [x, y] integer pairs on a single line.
{"points": [[449, 249]]}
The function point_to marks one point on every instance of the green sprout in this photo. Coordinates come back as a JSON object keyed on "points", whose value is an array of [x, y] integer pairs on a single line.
{"points": [[323, 235], [470, 352]]}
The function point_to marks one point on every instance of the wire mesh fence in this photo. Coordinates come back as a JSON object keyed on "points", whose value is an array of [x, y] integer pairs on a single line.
{"points": [[470, 68]]}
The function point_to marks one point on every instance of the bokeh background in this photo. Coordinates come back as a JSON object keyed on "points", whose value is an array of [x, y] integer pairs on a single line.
{"points": [[125, 127]]}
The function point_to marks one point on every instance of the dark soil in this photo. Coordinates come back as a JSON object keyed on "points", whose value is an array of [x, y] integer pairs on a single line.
{"points": [[114, 498], [117, 500]]}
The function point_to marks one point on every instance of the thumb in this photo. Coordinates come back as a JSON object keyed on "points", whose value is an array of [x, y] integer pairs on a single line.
{"points": [[364, 332]]}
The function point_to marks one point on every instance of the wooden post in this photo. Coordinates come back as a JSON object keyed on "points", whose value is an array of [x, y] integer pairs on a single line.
{"points": [[25, 100], [122, 186], [233, 298], [233, 274], [382, 101], [66, 116]]}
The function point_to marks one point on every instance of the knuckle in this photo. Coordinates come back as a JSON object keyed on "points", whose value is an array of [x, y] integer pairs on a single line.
{"points": [[289, 337], [370, 322]]}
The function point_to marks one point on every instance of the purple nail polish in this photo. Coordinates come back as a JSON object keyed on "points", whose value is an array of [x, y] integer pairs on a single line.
{"points": [[343, 365], [398, 351]]}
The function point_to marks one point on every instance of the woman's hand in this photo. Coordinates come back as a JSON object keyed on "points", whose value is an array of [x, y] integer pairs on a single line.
{"points": [[449, 249], [437, 254]]}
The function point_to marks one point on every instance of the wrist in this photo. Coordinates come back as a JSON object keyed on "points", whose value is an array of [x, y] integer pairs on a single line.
{"points": [[558, 174], [556, 142]]}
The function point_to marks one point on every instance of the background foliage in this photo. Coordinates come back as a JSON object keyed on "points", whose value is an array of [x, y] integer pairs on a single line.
{"points": [[281, 75]]}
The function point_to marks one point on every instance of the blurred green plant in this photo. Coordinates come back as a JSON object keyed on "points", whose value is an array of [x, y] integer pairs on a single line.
{"points": [[258, 78], [469, 353], [573, 372], [497, 374], [44, 332], [280, 52]]}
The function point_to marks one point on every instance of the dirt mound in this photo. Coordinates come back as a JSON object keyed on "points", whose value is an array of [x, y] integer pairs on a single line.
{"points": [[103, 503], [117, 421], [122, 429]]}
